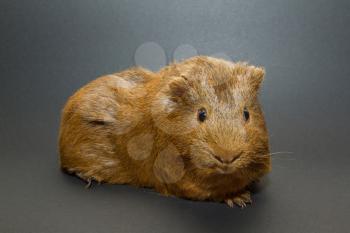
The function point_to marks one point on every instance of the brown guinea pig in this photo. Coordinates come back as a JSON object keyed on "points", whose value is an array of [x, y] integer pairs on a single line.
{"points": [[194, 130]]}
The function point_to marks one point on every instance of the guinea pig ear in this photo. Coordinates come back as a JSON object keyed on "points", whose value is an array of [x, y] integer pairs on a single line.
{"points": [[257, 76], [178, 88]]}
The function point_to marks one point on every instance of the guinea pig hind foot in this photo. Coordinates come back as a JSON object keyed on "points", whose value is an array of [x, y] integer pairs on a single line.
{"points": [[240, 199], [89, 180]]}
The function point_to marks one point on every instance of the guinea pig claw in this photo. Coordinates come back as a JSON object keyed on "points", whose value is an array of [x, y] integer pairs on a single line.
{"points": [[229, 202], [240, 200], [88, 183]]}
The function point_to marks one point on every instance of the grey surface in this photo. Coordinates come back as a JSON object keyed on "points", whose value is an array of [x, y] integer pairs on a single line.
{"points": [[48, 49]]}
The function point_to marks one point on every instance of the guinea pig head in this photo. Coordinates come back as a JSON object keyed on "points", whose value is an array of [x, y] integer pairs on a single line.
{"points": [[209, 108]]}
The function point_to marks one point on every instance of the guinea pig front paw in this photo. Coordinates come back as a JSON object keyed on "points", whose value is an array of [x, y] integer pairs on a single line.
{"points": [[241, 199]]}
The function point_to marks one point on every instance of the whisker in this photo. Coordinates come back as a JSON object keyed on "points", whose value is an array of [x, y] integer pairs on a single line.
{"points": [[273, 155], [280, 153], [283, 158]]}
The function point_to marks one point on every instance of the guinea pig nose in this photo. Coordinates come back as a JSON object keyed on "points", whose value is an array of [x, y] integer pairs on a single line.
{"points": [[218, 158], [226, 160], [234, 158]]}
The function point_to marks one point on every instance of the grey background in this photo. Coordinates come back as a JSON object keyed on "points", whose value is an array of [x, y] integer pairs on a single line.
{"points": [[48, 49]]}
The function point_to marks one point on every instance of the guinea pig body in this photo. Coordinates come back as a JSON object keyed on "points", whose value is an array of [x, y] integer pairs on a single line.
{"points": [[194, 130]]}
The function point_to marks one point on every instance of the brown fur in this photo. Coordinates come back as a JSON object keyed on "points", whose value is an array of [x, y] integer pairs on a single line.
{"points": [[141, 128]]}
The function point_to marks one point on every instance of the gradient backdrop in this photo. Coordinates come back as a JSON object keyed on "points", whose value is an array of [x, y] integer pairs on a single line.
{"points": [[48, 49]]}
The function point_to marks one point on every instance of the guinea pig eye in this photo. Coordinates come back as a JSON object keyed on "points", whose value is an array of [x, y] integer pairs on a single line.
{"points": [[202, 114], [246, 114]]}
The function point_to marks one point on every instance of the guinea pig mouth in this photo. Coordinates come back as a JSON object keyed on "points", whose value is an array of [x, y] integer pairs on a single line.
{"points": [[225, 169]]}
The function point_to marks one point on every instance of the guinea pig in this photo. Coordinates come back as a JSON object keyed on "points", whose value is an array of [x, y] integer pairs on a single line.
{"points": [[195, 130]]}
